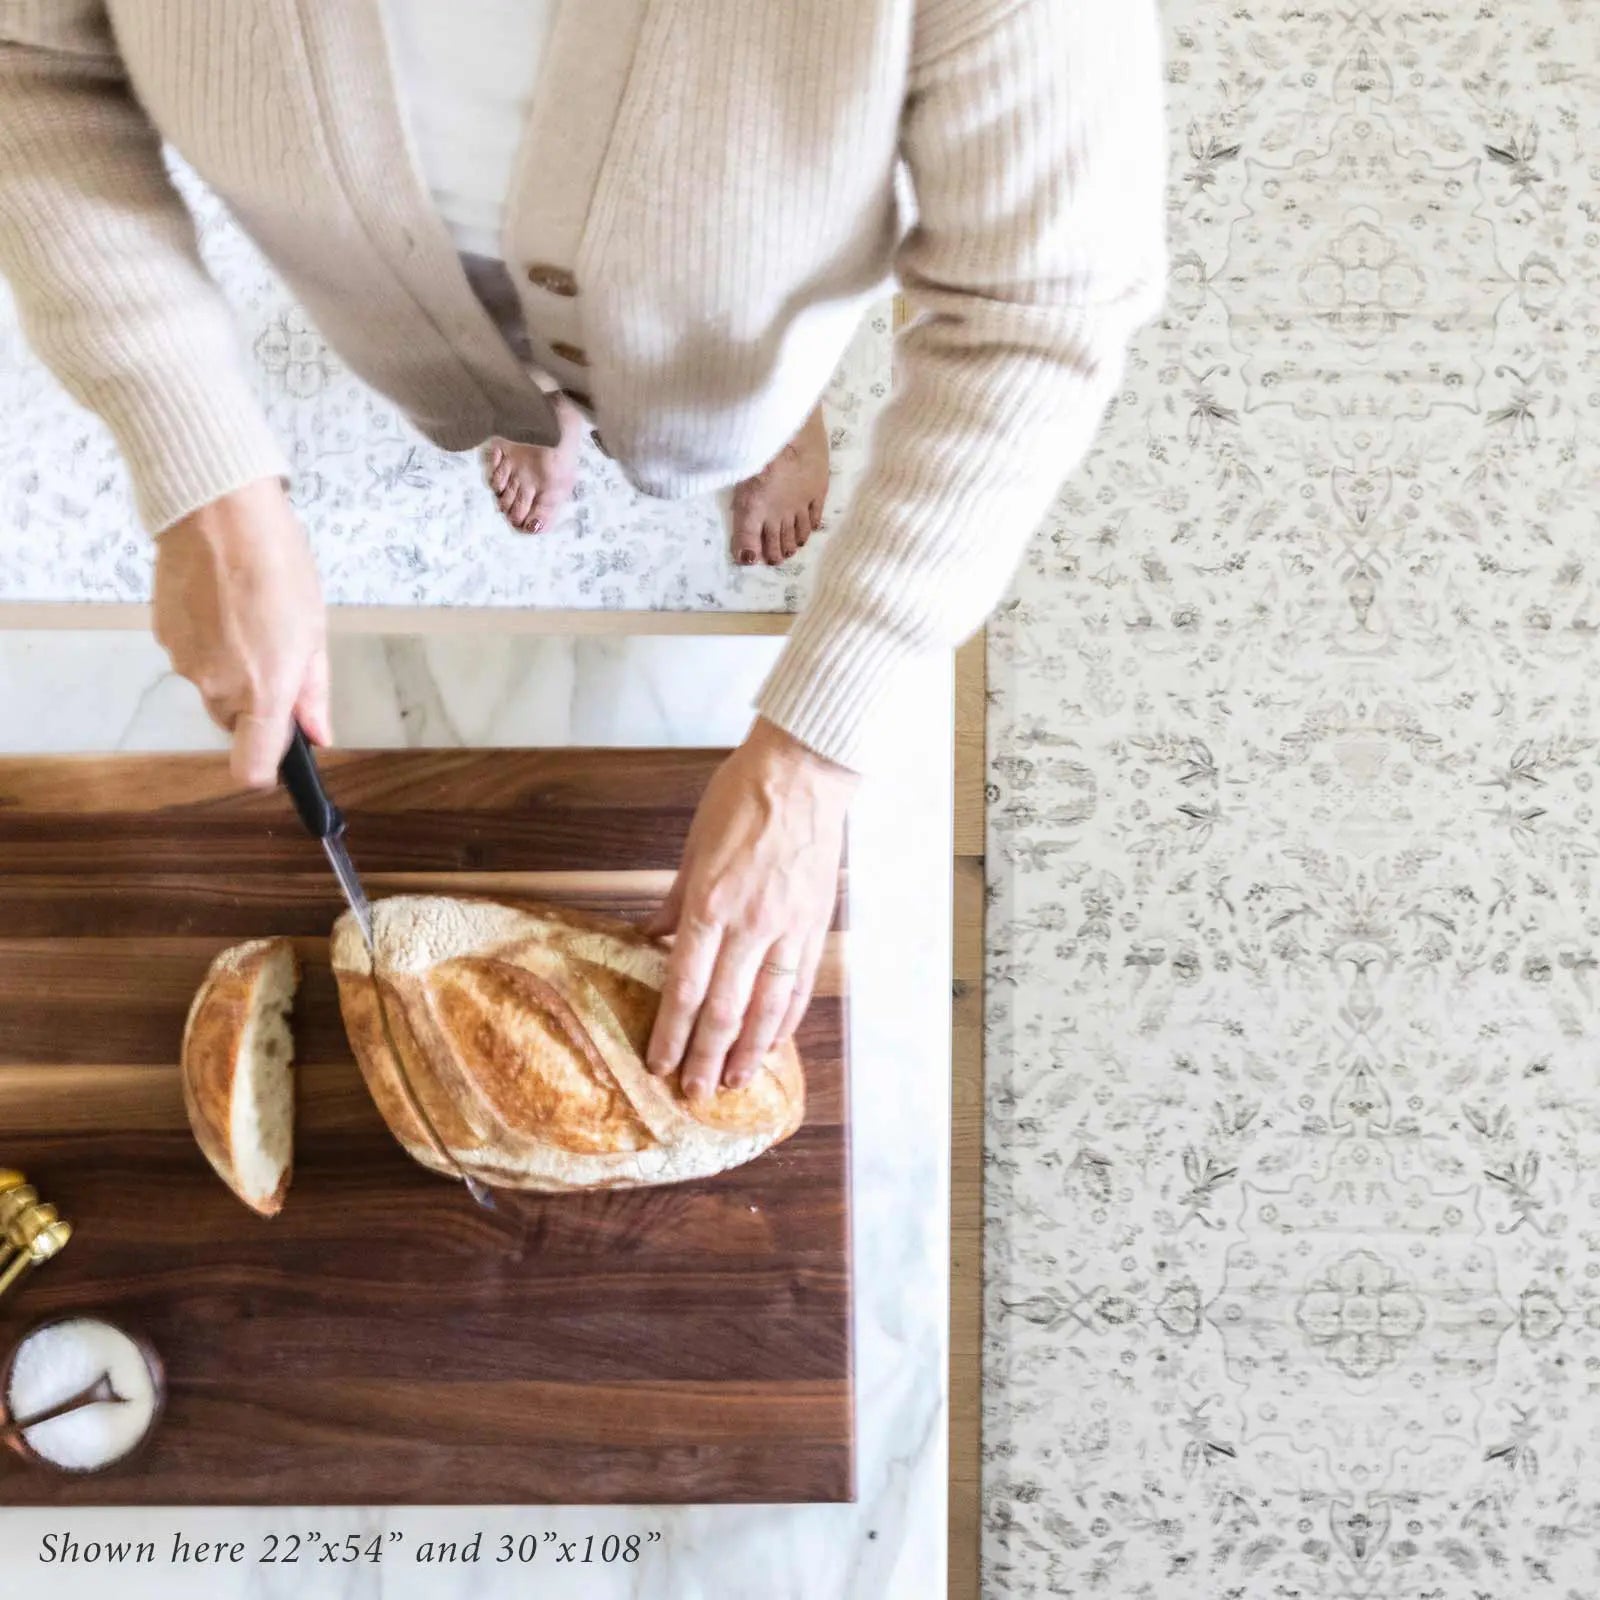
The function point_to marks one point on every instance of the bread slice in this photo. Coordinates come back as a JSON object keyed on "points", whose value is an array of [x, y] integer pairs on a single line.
{"points": [[238, 1079], [522, 1031]]}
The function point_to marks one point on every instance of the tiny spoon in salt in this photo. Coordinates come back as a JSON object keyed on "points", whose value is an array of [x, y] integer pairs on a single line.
{"points": [[99, 1393]]}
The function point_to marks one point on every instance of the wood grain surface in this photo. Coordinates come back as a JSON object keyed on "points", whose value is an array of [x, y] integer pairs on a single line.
{"points": [[385, 1341]]}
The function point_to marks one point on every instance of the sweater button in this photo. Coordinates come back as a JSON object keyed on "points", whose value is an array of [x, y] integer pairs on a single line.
{"points": [[553, 280], [575, 354]]}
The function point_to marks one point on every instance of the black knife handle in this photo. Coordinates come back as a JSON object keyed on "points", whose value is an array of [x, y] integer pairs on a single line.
{"points": [[298, 774]]}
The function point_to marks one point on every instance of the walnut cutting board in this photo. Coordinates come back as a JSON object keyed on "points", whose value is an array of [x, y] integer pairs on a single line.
{"points": [[384, 1341]]}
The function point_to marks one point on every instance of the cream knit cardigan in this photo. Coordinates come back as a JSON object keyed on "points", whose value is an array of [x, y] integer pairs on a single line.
{"points": [[713, 183]]}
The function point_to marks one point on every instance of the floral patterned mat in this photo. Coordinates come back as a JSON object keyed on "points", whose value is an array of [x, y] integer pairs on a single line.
{"points": [[1294, 1117], [394, 520]]}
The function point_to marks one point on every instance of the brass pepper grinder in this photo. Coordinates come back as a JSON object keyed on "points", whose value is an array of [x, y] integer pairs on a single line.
{"points": [[30, 1231]]}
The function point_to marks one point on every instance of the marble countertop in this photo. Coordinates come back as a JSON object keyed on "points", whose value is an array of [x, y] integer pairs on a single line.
{"points": [[112, 691]]}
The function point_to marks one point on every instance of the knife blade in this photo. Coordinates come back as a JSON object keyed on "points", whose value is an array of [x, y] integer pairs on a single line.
{"points": [[344, 869], [324, 821]]}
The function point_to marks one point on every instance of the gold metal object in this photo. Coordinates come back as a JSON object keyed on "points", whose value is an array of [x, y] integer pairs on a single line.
{"points": [[31, 1232], [15, 1203]]}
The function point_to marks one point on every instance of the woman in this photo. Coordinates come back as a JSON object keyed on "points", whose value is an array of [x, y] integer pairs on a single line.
{"points": [[700, 203]]}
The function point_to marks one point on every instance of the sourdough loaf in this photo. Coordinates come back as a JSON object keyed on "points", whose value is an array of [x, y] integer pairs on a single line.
{"points": [[236, 1061], [523, 1032]]}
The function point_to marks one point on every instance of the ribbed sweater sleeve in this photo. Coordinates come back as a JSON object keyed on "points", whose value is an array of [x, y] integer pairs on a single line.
{"points": [[1036, 143], [100, 252]]}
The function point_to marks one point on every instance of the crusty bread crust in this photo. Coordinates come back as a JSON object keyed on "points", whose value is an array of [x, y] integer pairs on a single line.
{"points": [[213, 1051], [522, 1030]]}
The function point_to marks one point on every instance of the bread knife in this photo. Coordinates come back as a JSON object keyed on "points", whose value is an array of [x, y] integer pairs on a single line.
{"points": [[324, 821]]}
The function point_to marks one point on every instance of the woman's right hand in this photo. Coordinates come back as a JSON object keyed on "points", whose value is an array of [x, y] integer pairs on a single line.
{"points": [[238, 608]]}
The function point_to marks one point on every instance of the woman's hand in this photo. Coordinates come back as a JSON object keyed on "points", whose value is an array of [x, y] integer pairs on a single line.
{"points": [[239, 610], [750, 909]]}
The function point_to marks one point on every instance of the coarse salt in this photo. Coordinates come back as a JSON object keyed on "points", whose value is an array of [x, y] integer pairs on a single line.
{"points": [[61, 1360]]}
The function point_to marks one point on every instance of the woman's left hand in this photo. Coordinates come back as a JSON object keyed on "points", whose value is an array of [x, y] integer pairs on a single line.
{"points": [[750, 909]]}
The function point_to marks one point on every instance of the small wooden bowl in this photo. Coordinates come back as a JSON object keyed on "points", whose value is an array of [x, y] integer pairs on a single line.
{"points": [[158, 1381]]}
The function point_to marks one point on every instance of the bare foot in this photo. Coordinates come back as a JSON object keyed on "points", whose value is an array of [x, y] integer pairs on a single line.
{"points": [[775, 512], [533, 482]]}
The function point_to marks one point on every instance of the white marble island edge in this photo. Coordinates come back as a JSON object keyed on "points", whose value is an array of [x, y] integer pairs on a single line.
{"points": [[103, 691]]}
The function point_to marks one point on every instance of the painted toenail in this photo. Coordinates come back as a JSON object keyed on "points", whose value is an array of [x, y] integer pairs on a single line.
{"points": [[747, 558]]}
